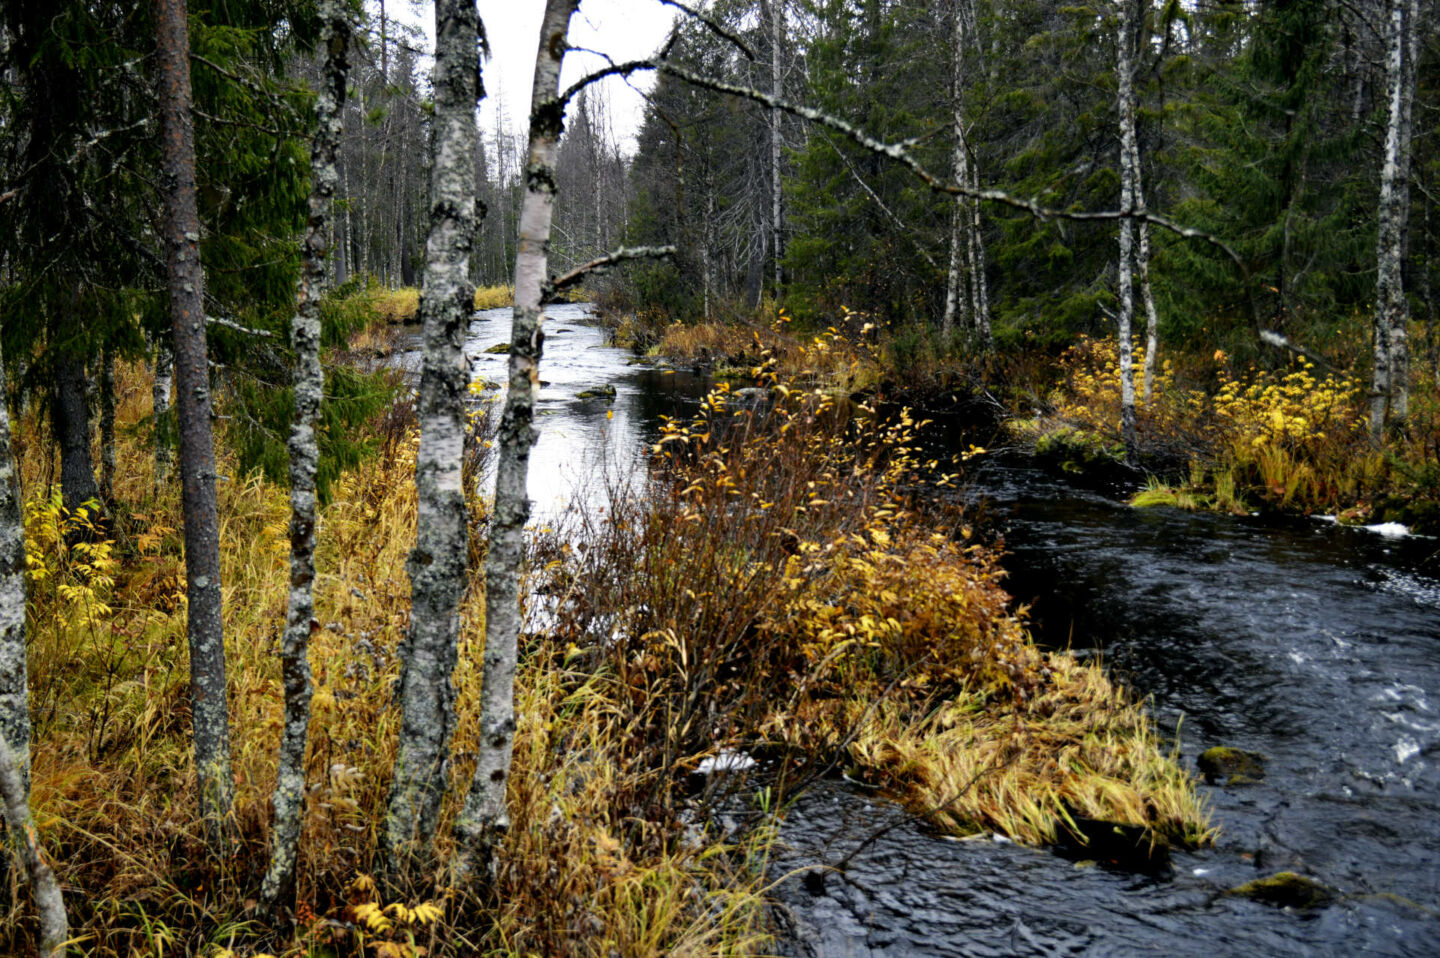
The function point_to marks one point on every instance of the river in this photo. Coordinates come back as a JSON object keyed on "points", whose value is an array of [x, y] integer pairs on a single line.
{"points": [[1315, 646]]}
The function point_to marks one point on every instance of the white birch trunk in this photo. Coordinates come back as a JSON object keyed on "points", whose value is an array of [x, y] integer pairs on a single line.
{"points": [[1126, 108], [777, 245], [966, 298], [14, 683], [309, 385], [1388, 389], [483, 821], [49, 905], [160, 413], [437, 564], [979, 289]]}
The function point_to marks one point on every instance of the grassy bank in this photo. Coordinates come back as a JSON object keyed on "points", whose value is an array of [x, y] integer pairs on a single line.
{"points": [[770, 587], [1241, 438]]}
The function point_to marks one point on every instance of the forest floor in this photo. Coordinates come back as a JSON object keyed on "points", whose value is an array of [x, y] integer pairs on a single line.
{"points": [[774, 591]]}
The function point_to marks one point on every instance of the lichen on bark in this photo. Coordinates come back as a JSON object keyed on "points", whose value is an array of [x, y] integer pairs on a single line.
{"points": [[309, 384], [437, 564]]}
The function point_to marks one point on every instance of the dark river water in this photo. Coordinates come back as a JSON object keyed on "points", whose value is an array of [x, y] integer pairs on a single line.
{"points": [[1315, 646]]}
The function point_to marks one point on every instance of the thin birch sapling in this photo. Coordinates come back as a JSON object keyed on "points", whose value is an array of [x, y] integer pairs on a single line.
{"points": [[309, 385]]}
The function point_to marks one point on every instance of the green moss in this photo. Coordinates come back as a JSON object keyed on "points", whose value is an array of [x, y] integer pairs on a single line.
{"points": [[499, 349], [1223, 765], [1156, 496], [1287, 890]]}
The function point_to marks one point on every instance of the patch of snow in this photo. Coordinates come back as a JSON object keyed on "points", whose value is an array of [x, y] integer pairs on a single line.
{"points": [[725, 762]]}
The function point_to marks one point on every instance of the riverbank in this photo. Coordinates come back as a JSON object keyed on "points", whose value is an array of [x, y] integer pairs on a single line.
{"points": [[780, 621], [1212, 433]]}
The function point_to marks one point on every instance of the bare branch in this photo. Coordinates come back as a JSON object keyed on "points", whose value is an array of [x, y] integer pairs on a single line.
{"points": [[623, 254], [231, 324], [711, 24]]}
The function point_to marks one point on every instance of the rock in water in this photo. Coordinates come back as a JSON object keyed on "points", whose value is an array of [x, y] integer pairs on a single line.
{"points": [[1287, 890], [499, 349], [606, 391], [1223, 765]]}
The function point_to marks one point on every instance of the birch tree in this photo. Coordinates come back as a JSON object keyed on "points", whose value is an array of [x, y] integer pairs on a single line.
{"points": [[1124, 67], [966, 296], [1390, 396], [775, 14], [164, 360], [437, 564], [186, 283], [484, 819], [309, 383], [1130, 156]]}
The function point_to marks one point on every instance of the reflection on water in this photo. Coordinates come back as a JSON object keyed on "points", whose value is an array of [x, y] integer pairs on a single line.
{"points": [[579, 443]]}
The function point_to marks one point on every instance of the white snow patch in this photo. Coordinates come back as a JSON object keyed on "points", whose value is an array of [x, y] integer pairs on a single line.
{"points": [[725, 762]]}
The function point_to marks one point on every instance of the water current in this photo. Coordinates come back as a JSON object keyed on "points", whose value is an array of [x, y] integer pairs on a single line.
{"points": [[1316, 646]]}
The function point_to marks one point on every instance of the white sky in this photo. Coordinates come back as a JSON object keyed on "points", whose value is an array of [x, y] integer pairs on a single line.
{"points": [[622, 29]]}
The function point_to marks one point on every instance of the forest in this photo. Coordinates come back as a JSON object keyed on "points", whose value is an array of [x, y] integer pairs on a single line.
{"points": [[946, 477]]}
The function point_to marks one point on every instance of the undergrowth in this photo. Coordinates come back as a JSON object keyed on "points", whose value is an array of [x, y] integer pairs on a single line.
{"points": [[768, 585], [1293, 438]]}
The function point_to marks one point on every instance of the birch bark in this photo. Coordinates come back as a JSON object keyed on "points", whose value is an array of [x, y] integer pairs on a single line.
{"points": [[966, 298], [437, 564], [777, 224], [484, 820], [160, 409], [1124, 68], [309, 384], [209, 716], [49, 905], [14, 683], [1389, 393]]}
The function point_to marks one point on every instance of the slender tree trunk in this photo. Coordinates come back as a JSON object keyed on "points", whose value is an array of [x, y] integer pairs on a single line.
{"points": [[484, 819], [437, 564], [107, 425], [777, 223], [160, 401], [309, 383], [14, 685], [1147, 297], [49, 904], [209, 716], [1126, 108], [1389, 394], [979, 288], [957, 299]]}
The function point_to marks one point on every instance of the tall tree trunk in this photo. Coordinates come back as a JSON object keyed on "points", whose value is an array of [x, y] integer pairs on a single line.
{"points": [[1147, 296], [70, 413], [160, 413], [484, 819], [209, 716], [14, 685], [107, 425], [49, 904], [777, 223], [1389, 392], [979, 289], [957, 299], [309, 384], [1126, 107], [437, 564]]}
